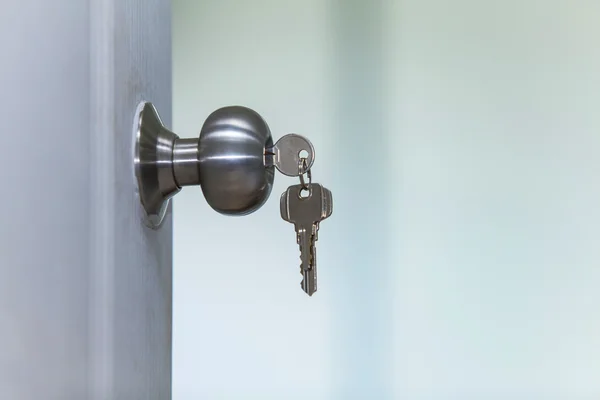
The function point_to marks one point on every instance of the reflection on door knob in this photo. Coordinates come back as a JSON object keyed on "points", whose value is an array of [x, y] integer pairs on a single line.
{"points": [[227, 161]]}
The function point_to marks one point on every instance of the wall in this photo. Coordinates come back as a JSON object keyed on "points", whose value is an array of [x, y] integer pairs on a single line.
{"points": [[460, 141]]}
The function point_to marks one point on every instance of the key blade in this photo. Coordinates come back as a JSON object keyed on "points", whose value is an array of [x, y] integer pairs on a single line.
{"points": [[309, 283], [309, 277], [304, 241]]}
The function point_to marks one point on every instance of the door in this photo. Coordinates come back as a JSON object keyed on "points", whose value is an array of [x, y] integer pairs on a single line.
{"points": [[85, 293]]}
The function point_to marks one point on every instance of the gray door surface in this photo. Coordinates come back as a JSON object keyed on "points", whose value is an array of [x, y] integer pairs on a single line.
{"points": [[85, 292]]}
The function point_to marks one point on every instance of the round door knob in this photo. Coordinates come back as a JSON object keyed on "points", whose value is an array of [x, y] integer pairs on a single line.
{"points": [[227, 161], [231, 155]]}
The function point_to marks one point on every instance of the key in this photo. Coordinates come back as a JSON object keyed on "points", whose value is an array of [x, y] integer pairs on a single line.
{"points": [[285, 154], [306, 209]]}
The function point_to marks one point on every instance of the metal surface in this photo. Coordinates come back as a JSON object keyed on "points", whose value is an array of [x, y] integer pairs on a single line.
{"points": [[306, 213], [302, 167], [227, 161], [286, 154], [153, 164], [185, 162], [231, 153]]}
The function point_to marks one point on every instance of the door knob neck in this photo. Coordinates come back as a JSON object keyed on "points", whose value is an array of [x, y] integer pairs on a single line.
{"points": [[185, 162]]}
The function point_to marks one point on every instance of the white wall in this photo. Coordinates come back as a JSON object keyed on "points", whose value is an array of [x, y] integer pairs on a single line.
{"points": [[498, 224], [460, 141]]}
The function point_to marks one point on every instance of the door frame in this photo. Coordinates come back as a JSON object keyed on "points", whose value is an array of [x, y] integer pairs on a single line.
{"points": [[130, 304]]}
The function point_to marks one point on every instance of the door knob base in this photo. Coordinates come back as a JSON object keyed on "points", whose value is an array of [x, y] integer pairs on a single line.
{"points": [[153, 160]]}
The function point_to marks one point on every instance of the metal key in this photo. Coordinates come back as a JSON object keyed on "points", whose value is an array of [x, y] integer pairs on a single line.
{"points": [[306, 209], [285, 154]]}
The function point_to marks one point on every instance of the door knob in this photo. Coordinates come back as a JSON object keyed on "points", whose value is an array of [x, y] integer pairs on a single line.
{"points": [[234, 161], [231, 160]]}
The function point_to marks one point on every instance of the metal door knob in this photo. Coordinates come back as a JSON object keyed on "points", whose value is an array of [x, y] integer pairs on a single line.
{"points": [[227, 160]]}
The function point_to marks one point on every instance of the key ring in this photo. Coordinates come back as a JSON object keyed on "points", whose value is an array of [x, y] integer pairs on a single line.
{"points": [[302, 165]]}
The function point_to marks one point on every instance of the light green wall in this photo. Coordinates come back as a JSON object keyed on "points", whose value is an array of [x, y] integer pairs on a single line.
{"points": [[460, 140]]}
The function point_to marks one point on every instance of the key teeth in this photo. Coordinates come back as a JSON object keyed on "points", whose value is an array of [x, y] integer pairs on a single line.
{"points": [[300, 256], [307, 275], [311, 246]]}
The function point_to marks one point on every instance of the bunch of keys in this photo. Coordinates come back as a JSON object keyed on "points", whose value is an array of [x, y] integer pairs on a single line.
{"points": [[305, 205]]}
